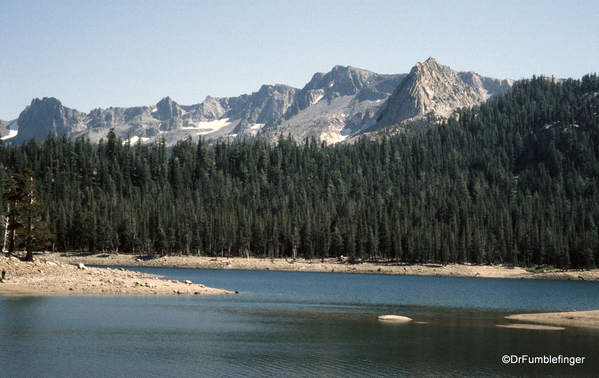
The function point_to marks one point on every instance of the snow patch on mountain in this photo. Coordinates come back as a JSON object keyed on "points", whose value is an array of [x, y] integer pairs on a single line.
{"points": [[135, 139], [209, 126], [315, 101], [13, 131]]}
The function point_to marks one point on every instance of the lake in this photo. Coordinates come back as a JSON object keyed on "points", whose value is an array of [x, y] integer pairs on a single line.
{"points": [[299, 324]]}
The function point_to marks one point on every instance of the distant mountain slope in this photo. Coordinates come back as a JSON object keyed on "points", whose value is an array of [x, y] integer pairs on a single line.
{"points": [[486, 87], [333, 106], [215, 117]]}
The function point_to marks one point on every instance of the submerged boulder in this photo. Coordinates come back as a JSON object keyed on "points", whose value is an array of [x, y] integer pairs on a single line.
{"points": [[394, 318]]}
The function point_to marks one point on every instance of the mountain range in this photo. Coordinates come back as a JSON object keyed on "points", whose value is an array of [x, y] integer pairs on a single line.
{"points": [[333, 107]]}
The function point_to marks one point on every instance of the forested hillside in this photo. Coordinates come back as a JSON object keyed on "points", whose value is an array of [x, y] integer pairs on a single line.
{"points": [[513, 181]]}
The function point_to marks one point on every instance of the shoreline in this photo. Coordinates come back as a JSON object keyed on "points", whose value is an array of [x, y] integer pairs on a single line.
{"points": [[548, 321], [586, 319], [46, 276], [315, 265], [72, 274]]}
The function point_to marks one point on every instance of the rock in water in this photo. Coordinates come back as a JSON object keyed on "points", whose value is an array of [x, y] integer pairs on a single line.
{"points": [[394, 318]]}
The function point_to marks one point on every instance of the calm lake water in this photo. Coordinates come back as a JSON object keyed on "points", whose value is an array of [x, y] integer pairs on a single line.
{"points": [[299, 325]]}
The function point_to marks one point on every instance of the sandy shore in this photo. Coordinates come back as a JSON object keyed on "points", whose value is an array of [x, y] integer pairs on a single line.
{"points": [[588, 319], [531, 326], [47, 277], [330, 265]]}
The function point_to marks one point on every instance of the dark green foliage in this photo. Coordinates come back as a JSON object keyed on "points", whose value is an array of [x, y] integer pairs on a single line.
{"points": [[513, 181], [25, 224]]}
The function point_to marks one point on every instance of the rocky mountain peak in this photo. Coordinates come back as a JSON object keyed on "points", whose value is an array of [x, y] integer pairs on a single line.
{"points": [[46, 107], [430, 63], [167, 109], [45, 116], [270, 102], [432, 76], [429, 87], [343, 81]]}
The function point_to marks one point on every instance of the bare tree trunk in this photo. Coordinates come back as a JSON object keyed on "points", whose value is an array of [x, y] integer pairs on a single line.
{"points": [[6, 222], [11, 244], [29, 256]]}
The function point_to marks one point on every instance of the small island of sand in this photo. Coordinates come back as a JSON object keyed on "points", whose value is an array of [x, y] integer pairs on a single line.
{"points": [[531, 326], [587, 319]]}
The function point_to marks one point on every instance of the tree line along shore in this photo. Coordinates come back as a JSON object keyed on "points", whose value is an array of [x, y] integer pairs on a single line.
{"points": [[513, 181]]}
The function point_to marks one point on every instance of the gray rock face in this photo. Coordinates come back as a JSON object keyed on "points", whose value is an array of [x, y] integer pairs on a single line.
{"points": [[431, 88], [486, 87], [269, 103], [167, 109], [48, 116], [343, 82], [332, 107]]}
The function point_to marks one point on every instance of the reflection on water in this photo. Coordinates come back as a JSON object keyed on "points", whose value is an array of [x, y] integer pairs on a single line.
{"points": [[298, 324]]}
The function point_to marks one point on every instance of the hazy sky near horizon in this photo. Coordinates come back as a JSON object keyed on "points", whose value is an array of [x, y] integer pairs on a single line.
{"points": [[97, 54]]}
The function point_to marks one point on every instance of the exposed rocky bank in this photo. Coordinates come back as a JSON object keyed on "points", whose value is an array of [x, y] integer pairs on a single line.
{"points": [[47, 276], [316, 265]]}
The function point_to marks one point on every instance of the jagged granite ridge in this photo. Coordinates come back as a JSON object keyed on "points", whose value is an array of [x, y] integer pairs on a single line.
{"points": [[331, 107]]}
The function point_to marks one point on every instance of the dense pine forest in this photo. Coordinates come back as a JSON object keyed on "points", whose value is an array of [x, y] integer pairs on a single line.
{"points": [[513, 181]]}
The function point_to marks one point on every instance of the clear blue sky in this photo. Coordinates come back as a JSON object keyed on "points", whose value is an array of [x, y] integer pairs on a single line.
{"points": [[96, 54]]}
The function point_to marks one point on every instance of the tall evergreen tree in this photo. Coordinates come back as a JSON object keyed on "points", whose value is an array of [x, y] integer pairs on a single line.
{"points": [[25, 226]]}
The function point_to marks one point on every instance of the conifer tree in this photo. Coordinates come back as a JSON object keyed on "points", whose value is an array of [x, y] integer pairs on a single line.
{"points": [[26, 226]]}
